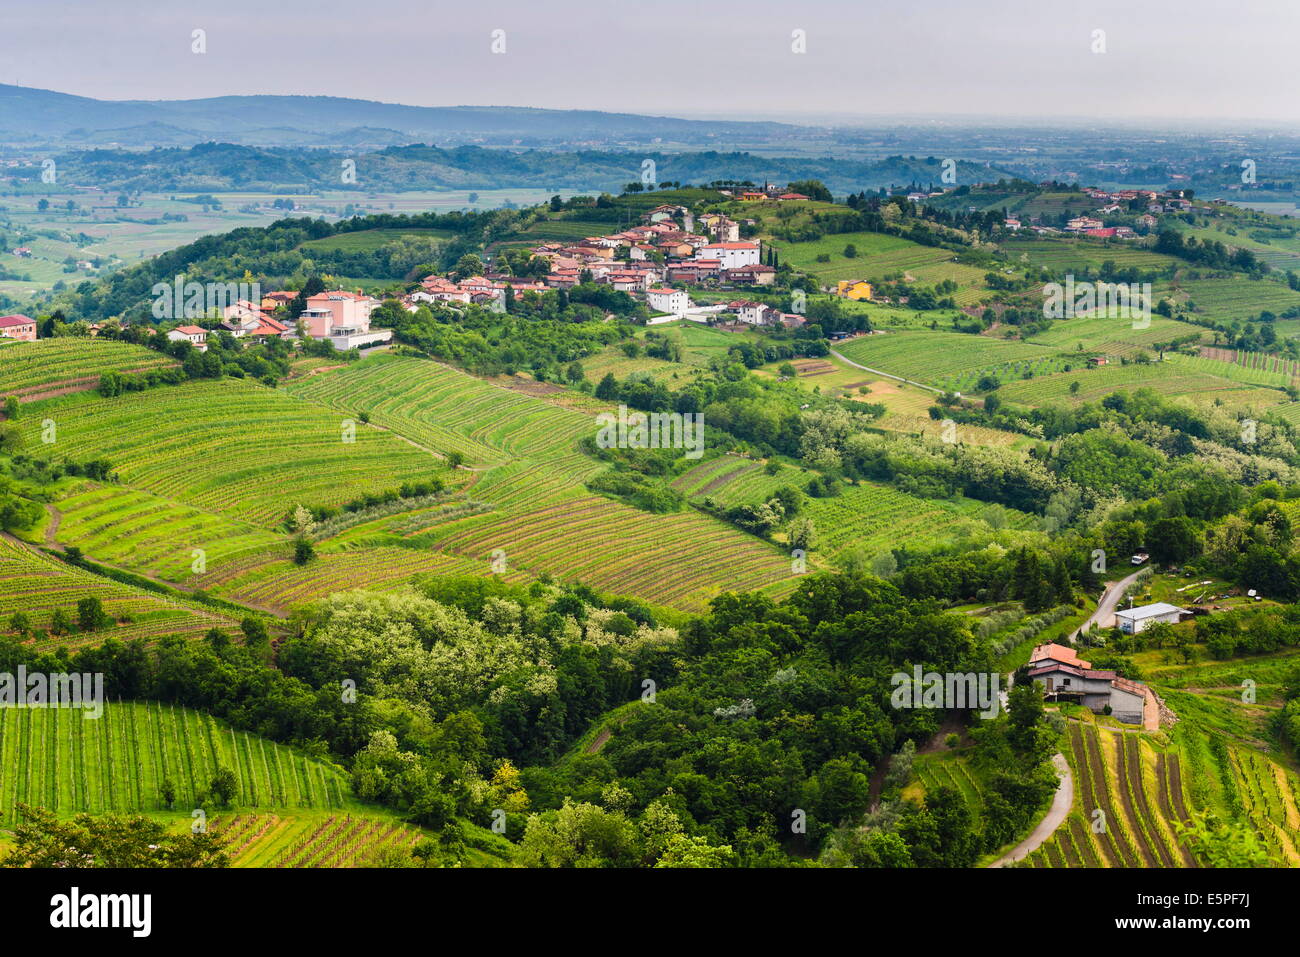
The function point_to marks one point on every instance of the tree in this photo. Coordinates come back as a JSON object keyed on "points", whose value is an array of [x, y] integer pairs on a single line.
{"points": [[90, 614], [468, 265], [167, 790], [224, 786], [254, 630], [107, 841]]}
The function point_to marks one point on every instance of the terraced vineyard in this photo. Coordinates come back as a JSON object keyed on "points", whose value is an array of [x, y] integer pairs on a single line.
{"points": [[1235, 298], [532, 475], [231, 447], [333, 840], [280, 584], [28, 369], [122, 526], [1061, 255], [1113, 336], [64, 761], [869, 516], [37, 584]]}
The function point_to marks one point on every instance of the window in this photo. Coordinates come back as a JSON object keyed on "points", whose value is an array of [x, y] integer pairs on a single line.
{"points": [[1065, 682]]}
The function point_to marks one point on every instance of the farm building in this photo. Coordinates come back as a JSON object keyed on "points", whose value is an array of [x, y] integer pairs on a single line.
{"points": [[18, 327], [1131, 621], [1064, 676]]}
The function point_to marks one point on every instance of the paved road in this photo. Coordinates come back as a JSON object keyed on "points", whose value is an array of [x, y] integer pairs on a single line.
{"points": [[1064, 796], [1104, 616], [887, 375], [1055, 816]]}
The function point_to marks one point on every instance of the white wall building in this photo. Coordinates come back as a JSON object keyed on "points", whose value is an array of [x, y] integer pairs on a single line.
{"points": [[668, 300], [1131, 621], [730, 255]]}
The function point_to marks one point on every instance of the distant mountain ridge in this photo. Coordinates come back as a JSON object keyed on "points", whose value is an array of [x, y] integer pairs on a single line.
{"points": [[225, 167], [32, 116]]}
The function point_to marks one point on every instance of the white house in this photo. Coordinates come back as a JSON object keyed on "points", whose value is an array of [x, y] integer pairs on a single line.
{"points": [[192, 334], [730, 255], [672, 301], [1133, 620]]}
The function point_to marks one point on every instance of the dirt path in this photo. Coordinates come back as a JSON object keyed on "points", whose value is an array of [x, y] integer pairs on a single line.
{"points": [[52, 529], [1062, 801]]}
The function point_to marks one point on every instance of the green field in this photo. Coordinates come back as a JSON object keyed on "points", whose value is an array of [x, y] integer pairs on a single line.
{"points": [[951, 360], [368, 240], [1176, 376]]}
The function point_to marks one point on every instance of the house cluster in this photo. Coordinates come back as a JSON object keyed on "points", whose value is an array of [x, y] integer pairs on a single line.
{"points": [[769, 191], [18, 327], [342, 317], [1064, 676], [1112, 203], [758, 314], [670, 247]]}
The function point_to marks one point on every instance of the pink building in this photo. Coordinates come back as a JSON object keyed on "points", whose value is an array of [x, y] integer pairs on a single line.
{"points": [[18, 327]]}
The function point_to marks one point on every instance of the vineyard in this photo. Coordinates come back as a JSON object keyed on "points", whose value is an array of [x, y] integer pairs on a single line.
{"points": [[279, 584], [1235, 298], [1176, 376], [1255, 367], [868, 516], [1111, 336], [62, 760], [309, 840], [30, 368], [951, 360], [1127, 796], [531, 475], [37, 584], [146, 533], [232, 447], [1062, 255]]}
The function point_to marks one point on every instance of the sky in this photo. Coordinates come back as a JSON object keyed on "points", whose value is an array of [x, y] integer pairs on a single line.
{"points": [[1233, 62]]}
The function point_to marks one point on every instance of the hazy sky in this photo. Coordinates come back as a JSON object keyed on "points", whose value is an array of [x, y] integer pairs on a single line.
{"points": [[1234, 61]]}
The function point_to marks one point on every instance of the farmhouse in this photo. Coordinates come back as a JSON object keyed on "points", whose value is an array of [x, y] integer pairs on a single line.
{"points": [[856, 289], [18, 327], [195, 335], [1131, 621], [1064, 676]]}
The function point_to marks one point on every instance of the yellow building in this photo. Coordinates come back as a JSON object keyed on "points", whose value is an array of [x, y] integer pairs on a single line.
{"points": [[857, 289]]}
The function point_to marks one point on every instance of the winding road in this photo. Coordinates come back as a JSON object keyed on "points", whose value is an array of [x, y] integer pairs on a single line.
{"points": [[1063, 799]]}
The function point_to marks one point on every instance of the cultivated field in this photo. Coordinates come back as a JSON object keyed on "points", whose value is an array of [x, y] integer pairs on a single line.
{"points": [[32, 369], [36, 584]]}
